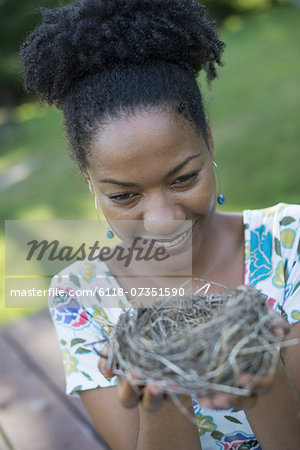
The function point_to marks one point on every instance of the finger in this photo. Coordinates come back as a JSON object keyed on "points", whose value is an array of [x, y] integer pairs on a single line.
{"points": [[223, 401], [206, 402], [152, 399], [245, 403], [129, 396], [280, 327], [171, 391], [102, 364], [263, 384], [245, 379], [258, 385], [104, 368]]}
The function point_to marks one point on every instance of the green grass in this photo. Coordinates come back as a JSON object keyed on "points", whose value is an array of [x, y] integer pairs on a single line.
{"points": [[254, 111], [254, 108]]}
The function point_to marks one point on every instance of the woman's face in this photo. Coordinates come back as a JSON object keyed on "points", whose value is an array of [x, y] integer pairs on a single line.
{"points": [[153, 167]]}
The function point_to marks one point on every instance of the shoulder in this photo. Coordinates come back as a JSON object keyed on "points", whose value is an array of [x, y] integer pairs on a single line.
{"points": [[87, 270], [272, 254], [83, 283], [83, 273], [280, 215], [275, 229], [230, 227]]}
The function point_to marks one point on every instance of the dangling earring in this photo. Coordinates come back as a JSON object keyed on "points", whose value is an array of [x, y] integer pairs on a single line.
{"points": [[109, 233], [220, 198]]}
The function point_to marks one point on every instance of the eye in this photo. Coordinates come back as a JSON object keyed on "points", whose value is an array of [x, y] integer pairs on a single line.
{"points": [[124, 198], [185, 179]]}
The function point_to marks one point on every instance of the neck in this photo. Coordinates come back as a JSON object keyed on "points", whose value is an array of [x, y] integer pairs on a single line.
{"points": [[221, 255]]}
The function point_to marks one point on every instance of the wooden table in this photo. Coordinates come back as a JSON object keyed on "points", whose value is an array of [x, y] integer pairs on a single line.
{"points": [[35, 412]]}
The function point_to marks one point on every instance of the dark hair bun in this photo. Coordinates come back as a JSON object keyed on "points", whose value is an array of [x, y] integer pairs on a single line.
{"points": [[90, 36]]}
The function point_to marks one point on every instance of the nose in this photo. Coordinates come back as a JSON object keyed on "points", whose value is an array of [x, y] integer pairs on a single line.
{"points": [[162, 217]]}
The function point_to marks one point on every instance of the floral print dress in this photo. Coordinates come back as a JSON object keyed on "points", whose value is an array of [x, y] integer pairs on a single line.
{"points": [[272, 253]]}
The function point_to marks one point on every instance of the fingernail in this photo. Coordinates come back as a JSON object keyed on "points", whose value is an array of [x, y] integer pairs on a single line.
{"points": [[173, 388], [204, 403], [104, 366], [278, 332], [136, 375], [155, 390]]}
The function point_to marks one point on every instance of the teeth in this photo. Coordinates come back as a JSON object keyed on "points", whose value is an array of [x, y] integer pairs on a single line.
{"points": [[176, 241]]}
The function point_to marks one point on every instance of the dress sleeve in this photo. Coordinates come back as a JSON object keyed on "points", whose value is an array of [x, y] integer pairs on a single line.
{"points": [[78, 327], [272, 256], [288, 268]]}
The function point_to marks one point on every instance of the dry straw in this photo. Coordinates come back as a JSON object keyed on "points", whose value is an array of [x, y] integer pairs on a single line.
{"points": [[197, 345]]}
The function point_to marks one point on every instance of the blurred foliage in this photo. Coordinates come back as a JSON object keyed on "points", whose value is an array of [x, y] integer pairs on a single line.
{"points": [[220, 9], [253, 108], [19, 17]]}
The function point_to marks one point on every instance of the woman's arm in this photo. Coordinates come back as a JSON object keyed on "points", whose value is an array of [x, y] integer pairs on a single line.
{"points": [[168, 428], [129, 422], [119, 426], [275, 419], [136, 428]]}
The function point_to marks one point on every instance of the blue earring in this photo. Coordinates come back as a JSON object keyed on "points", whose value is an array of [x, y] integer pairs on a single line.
{"points": [[220, 199], [110, 234]]}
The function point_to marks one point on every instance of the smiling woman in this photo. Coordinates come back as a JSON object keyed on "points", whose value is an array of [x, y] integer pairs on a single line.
{"points": [[153, 169], [124, 74]]}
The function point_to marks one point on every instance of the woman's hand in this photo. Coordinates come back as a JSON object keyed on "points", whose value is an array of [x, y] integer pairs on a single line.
{"points": [[167, 427], [224, 400], [150, 396], [261, 386]]}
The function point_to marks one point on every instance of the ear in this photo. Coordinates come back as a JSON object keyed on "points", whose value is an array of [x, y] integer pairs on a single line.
{"points": [[88, 180], [209, 140]]}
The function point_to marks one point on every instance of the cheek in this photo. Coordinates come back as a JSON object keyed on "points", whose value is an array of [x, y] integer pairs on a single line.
{"points": [[203, 199], [122, 222], [109, 211]]}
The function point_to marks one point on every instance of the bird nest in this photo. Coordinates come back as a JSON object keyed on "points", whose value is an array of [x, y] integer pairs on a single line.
{"points": [[197, 345]]}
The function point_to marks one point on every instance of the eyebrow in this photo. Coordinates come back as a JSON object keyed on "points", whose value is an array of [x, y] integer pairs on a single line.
{"points": [[171, 172], [181, 165], [119, 183]]}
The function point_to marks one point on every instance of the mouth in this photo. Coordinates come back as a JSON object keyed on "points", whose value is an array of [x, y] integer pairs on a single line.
{"points": [[173, 244], [169, 242]]}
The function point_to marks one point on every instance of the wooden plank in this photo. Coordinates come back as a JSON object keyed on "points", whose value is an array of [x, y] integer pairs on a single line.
{"points": [[34, 344], [32, 417], [38, 342], [4, 441], [37, 336]]}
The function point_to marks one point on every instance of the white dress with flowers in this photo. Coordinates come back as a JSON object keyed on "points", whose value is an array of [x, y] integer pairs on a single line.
{"points": [[272, 253]]}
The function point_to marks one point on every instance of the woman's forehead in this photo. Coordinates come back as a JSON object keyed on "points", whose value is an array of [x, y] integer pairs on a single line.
{"points": [[134, 139]]}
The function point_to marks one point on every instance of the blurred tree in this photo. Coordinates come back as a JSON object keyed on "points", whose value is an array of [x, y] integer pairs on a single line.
{"points": [[222, 8], [17, 19]]}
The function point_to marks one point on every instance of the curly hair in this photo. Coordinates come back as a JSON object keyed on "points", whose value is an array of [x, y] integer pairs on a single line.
{"points": [[95, 59]]}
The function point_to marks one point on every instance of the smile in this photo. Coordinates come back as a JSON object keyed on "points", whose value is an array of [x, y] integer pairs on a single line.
{"points": [[169, 243], [174, 243]]}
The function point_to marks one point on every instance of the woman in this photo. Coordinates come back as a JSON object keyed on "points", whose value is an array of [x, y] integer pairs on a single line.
{"points": [[124, 75]]}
